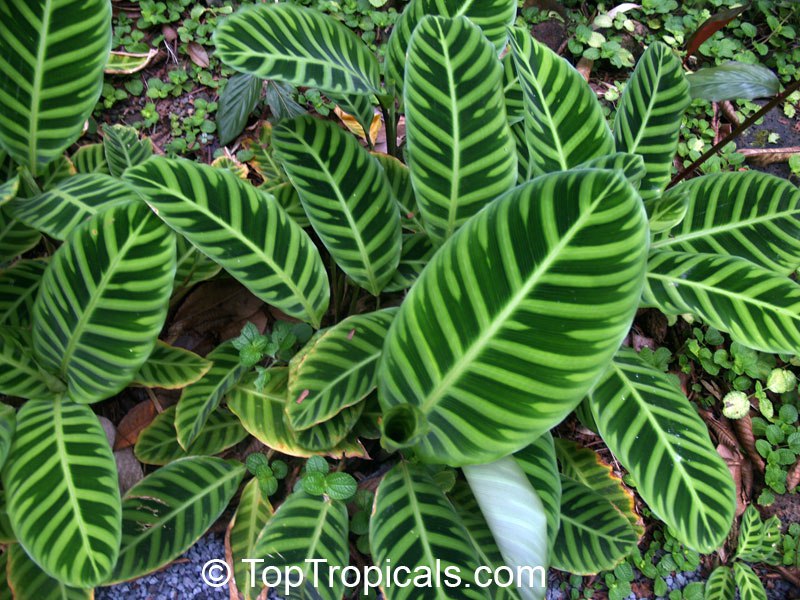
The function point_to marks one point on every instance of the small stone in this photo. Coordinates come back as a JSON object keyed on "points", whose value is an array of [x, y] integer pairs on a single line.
{"points": [[111, 431]]}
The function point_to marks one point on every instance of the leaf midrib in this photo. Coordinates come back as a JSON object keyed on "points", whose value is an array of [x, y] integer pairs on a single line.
{"points": [[36, 88]]}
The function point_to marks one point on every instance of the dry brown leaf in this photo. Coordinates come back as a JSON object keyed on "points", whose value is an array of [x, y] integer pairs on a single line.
{"points": [[793, 477], [744, 433], [131, 425], [734, 462], [761, 157], [584, 67], [198, 54]]}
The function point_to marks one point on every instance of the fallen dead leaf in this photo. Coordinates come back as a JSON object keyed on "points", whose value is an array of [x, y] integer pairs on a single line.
{"points": [[198, 54], [132, 424]]}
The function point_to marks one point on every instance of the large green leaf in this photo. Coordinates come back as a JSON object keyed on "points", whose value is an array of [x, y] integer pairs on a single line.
{"points": [[649, 115], [171, 367], [297, 45], [124, 149], [346, 196], [413, 525], [756, 307], [61, 209], [564, 123], [538, 462], [167, 511], [721, 585], [103, 300], [8, 423], [656, 434], [244, 231], [52, 56], [15, 236], [748, 583], [252, 514], [460, 149], [338, 370], [514, 318], [20, 374], [61, 487], [236, 102], [28, 581], [751, 215]]}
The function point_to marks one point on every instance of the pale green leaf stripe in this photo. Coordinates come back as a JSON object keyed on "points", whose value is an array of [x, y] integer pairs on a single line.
{"points": [[756, 307], [27, 580], [171, 367], [338, 370], [656, 434], [8, 423], [103, 300], [593, 536], [721, 585], [200, 399], [245, 231], [18, 288], [19, 374], [514, 318], [252, 514], [124, 149], [460, 149], [564, 122], [748, 583], [52, 56], [649, 115], [413, 525], [61, 486], [15, 237], [302, 529], [346, 197], [297, 45], [167, 511], [90, 159], [538, 461], [751, 215], [58, 211]]}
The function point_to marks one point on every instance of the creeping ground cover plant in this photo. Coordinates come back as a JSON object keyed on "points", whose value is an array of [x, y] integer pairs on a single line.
{"points": [[492, 265]]}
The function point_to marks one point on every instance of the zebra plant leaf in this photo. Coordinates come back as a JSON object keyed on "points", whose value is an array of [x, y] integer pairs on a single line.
{"points": [[103, 300], [415, 255], [346, 196], [338, 370], [748, 583], [721, 585], [299, 46], [66, 516], [8, 423], [564, 123], [414, 525], [512, 90], [460, 149], [167, 511], [90, 159], [52, 56], [756, 307], [170, 367], [495, 337], [286, 195], [124, 149], [758, 540], [15, 236], [538, 462], [656, 434], [191, 265], [400, 181], [667, 211], [20, 374], [9, 189], [325, 437], [244, 231], [252, 514], [60, 210], [18, 288], [751, 215], [649, 115], [630, 164], [27, 580]]}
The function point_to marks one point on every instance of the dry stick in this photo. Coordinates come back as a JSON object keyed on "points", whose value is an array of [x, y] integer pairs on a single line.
{"points": [[736, 132]]}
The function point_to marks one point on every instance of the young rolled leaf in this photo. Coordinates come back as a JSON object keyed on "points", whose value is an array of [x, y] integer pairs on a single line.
{"points": [[748, 583], [236, 102], [124, 149], [752, 215], [20, 374], [733, 80], [346, 196], [8, 423], [299, 46], [171, 367], [649, 115], [18, 288], [252, 514], [721, 585], [656, 434], [756, 307], [244, 231], [65, 514], [15, 236], [460, 149], [52, 56], [167, 511], [538, 462], [103, 300], [564, 123], [415, 255], [90, 159], [27, 580], [501, 336]]}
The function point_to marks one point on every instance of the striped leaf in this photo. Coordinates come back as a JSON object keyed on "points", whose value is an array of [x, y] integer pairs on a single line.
{"points": [[517, 518], [15, 236], [20, 374], [514, 319], [54, 173], [758, 540], [721, 585], [9, 189], [649, 115], [103, 300], [124, 149], [338, 370], [512, 90], [27, 580], [630, 164], [263, 161], [415, 255], [491, 16], [756, 307], [18, 288], [346, 196], [236, 102], [326, 437], [286, 195], [748, 583], [593, 536], [6, 532], [166, 512], [201, 398], [305, 528], [459, 143], [400, 181], [656, 434], [244, 231], [413, 525], [564, 123], [299, 46], [751, 215], [52, 56], [59, 211], [667, 211], [61, 487], [171, 368], [90, 159], [538, 462], [252, 514], [191, 265], [8, 422], [525, 166], [158, 442]]}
